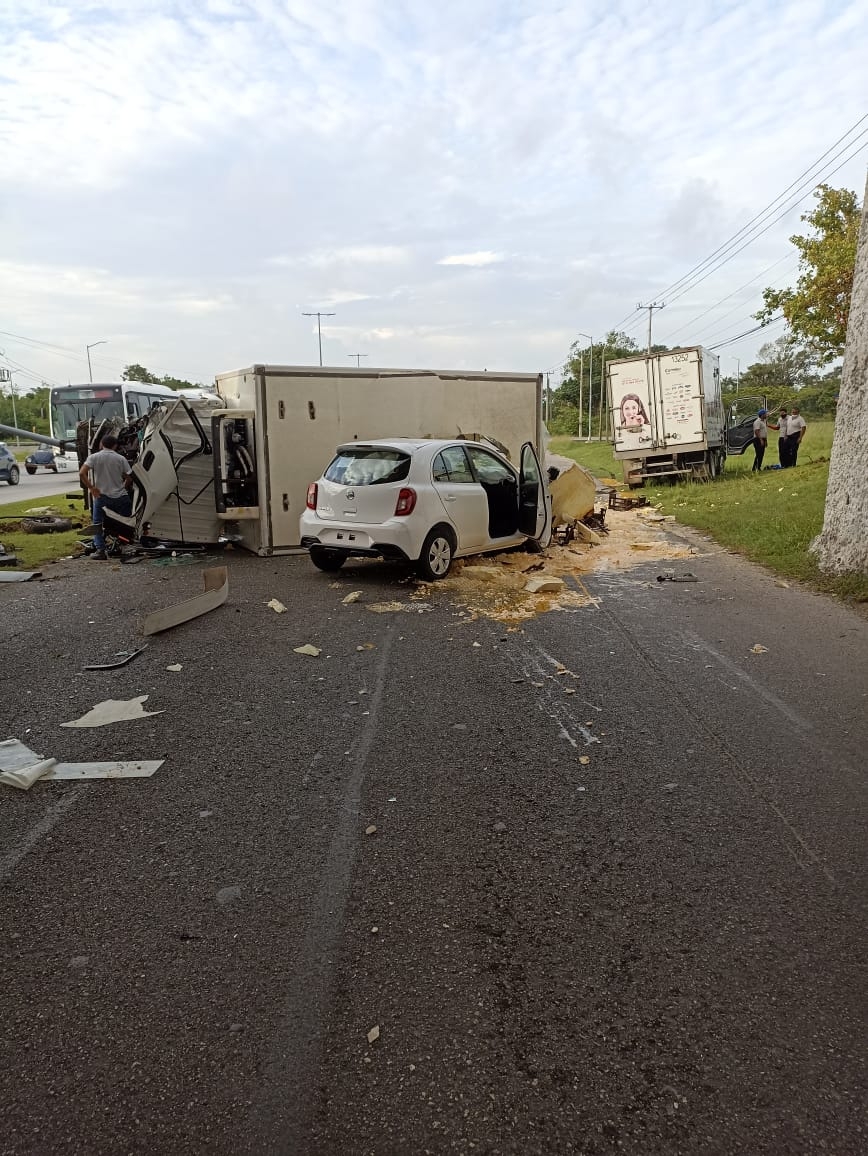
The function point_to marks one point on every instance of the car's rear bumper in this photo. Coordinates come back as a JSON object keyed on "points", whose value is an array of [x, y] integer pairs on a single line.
{"points": [[392, 539], [378, 550]]}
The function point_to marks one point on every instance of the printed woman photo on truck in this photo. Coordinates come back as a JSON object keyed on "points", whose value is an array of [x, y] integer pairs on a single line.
{"points": [[633, 411]]}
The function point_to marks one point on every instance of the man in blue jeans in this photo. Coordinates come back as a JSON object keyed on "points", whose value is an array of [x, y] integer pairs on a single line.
{"points": [[106, 474]]}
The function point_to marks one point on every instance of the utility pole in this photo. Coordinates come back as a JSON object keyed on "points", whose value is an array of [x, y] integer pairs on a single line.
{"points": [[318, 315], [14, 411], [654, 305], [357, 356], [88, 348], [582, 380]]}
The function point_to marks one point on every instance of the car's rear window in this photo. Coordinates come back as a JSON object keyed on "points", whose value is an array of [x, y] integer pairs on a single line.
{"points": [[368, 467]]}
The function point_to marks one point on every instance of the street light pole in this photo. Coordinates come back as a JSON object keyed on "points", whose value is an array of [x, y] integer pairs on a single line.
{"points": [[318, 328], [737, 361], [92, 345]]}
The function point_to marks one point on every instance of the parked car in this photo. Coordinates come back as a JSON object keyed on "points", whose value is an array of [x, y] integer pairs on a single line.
{"points": [[44, 456], [426, 501], [9, 471]]}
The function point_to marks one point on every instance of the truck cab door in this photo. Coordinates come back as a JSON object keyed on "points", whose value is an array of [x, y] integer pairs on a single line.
{"points": [[739, 425], [534, 504]]}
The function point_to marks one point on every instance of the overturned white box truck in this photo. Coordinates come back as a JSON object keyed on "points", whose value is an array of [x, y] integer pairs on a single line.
{"points": [[239, 464], [667, 415]]}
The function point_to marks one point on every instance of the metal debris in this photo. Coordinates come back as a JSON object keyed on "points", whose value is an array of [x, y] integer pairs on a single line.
{"points": [[128, 656]]}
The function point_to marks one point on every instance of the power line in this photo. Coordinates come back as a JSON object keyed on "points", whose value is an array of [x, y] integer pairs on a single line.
{"points": [[705, 312], [774, 204], [723, 254], [747, 333]]}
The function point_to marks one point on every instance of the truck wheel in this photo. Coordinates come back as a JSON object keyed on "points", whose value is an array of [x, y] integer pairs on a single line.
{"points": [[45, 525], [327, 560]]}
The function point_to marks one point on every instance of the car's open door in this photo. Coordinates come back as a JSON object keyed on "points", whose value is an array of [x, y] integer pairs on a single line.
{"points": [[740, 419], [534, 507]]}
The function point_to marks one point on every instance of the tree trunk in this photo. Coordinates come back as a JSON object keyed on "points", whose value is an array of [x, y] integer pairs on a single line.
{"points": [[842, 545]]}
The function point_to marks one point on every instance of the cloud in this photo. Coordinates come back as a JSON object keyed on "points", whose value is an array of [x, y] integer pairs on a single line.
{"points": [[348, 255], [189, 178], [475, 259]]}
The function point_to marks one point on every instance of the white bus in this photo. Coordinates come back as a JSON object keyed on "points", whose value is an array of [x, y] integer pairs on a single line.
{"points": [[71, 404]]}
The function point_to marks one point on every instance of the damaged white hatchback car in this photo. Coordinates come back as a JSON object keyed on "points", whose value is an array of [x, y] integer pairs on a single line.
{"points": [[423, 500]]}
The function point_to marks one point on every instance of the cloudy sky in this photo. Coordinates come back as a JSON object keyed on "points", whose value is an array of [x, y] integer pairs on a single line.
{"points": [[467, 183]]}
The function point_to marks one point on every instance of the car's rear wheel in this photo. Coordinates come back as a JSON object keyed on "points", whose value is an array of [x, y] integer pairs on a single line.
{"points": [[328, 560], [14, 475], [437, 553]]}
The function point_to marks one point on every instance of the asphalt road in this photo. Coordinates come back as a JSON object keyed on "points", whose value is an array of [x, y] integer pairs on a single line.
{"points": [[42, 484], [659, 950]]}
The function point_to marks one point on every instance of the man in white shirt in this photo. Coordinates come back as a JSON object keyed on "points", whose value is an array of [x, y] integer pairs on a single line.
{"points": [[781, 427], [108, 477], [760, 440], [796, 426]]}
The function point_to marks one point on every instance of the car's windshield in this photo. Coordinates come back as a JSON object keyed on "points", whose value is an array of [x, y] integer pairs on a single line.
{"points": [[367, 467]]}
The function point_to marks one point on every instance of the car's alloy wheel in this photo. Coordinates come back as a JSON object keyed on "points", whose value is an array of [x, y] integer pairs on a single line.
{"points": [[436, 557], [14, 475]]}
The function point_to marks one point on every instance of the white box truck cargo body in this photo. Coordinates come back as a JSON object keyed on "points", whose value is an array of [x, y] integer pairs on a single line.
{"points": [[300, 415], [667, 414]]}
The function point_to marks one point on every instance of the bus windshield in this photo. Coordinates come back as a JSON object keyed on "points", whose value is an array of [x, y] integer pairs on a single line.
{"points": [[70, 405]]}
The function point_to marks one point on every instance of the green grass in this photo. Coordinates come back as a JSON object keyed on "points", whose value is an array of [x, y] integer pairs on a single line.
{"points": [[35, 550], [770, 517], [595, 456]]}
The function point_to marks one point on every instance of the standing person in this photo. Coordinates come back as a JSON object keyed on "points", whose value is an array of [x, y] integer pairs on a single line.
{"points": [[107, 475], [783, 441], [796, 426], [760, 440]]}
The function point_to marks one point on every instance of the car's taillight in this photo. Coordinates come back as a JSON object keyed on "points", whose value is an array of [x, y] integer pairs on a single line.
{"points": [[406, 501], [311, 496]]}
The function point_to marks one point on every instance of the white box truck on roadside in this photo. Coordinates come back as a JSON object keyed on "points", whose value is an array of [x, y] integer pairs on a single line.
{"points": [[240, 465], [667, 416]]}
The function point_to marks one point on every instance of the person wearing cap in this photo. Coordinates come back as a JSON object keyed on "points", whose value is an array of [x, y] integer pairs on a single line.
{"points": [[760, 440], [783, 440], [796, 426]]}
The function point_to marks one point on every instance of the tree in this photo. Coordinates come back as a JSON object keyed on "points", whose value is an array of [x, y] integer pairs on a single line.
{"points": [[139, 373], [818, 308], [582, 382], [31, 409], [842, 545]]}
